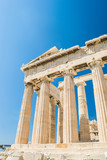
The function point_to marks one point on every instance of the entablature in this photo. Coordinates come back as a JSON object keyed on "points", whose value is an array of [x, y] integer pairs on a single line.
{"points": [[53, 63]]}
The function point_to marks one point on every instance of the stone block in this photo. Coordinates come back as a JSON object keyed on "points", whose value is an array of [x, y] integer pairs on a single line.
{"points": [[15, 158], [3, 157]]}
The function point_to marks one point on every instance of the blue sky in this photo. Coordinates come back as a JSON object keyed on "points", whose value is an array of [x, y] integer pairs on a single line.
{"points": [[30, 27]]}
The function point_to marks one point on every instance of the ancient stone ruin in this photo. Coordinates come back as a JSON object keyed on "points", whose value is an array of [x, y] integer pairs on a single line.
{"points": [[71, 143]]}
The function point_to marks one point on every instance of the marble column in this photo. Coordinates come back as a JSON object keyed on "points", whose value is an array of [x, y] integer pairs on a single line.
{"points": [[60, 117], [22, 134], [70, 127], [51, 120], [106, 82], [42, 129], [83, 113], [34, 138], [100, 93]]}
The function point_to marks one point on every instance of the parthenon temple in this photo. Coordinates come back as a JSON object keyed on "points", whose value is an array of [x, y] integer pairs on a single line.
{"points": [[39, 75]]}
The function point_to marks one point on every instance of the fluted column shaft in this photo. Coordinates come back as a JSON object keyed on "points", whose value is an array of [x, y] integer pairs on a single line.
{"points": [[70, 127], [100, 93], [52, 120], [22, 134], [34, 137], [83, 113], [42, 129], [60, 126], [60, 119]]}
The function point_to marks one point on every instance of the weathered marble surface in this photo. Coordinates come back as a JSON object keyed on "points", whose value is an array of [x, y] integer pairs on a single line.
{"points": [[39, 74], [83, 113], [70, 127], [25, 114], [93, 130], [74, 151]]}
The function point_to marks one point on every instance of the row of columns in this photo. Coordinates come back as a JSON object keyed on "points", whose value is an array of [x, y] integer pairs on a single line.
{"points": [[44, 120]]}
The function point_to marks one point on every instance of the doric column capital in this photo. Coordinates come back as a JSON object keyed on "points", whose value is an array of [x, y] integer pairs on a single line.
{"points": [[81, 83], [70, 72], [95, 63], [46, 79], [37, 82]]}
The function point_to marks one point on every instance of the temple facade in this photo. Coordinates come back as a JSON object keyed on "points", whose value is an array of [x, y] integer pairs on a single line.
{"points": [[39, 75]]}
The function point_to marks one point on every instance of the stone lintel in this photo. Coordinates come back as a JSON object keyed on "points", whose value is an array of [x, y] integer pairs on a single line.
{"points": [[58, 71], [80, 79], [86, 77]]}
